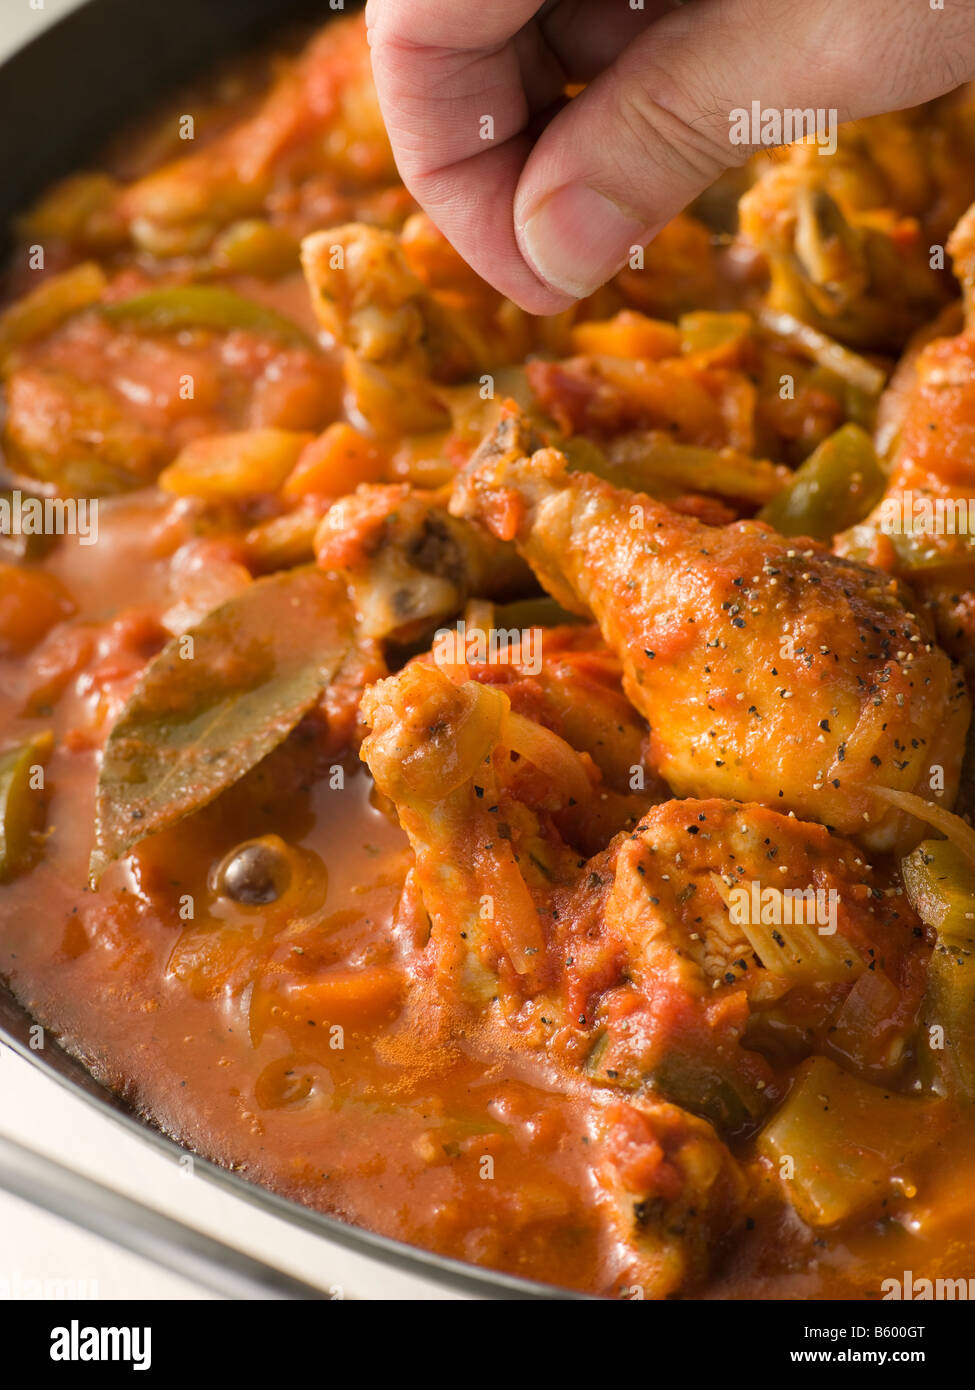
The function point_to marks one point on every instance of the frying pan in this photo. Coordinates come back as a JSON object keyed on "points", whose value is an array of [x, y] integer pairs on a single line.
{"points": [[60, 96]]}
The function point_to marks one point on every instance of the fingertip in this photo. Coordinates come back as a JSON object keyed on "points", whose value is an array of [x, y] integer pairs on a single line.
{"points": [[543, 300], [576, 238]]}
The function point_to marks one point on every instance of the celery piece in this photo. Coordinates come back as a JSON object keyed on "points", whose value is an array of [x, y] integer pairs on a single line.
{"points": [[707, 331], [948, 1017], [841, 1145], [940, 883], [20, 803]]}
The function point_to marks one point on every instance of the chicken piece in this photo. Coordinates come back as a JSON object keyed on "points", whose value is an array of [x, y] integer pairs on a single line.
{"points": [[405, 336], [319, 117], [922, 528], [673, 970], [367, 297], [848, 238], [487, 860], [475, 786], [674, 1191], [77, 434], [769, 670], [637, 960], [409, 564], [567, 680], [95, 407]]}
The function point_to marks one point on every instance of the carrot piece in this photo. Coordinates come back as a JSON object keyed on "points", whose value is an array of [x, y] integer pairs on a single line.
{"points": [[342, 995], [335, 463], [31, 602], [629, 334]]}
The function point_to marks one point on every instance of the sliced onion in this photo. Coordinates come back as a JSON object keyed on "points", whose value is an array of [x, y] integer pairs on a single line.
{"points": [[551, 755], [959, 832], [826, 352]]}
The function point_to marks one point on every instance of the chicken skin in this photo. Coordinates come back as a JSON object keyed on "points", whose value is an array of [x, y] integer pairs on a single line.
{"points": [[566, 679], [768, 669], [450, 759], [674, 1191], [699, 967]]}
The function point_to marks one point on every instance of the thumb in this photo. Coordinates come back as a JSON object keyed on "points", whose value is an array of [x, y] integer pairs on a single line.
{"points": [[659, 125]]}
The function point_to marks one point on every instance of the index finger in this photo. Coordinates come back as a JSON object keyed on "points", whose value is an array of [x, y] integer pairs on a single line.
{"points": [[440, 70], [451, 93]]}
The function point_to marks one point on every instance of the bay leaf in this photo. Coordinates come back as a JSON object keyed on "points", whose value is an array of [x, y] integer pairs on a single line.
{"points": [[215, 701]]}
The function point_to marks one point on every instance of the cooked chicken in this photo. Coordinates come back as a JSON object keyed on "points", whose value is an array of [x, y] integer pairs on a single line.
{"points": [[851, 239], [451, 758], [697, 909], [409, 563], [922, 528], [675, 1192], [768, 669], [77, 433], [405, 335], [567, 680], [301, 130]]}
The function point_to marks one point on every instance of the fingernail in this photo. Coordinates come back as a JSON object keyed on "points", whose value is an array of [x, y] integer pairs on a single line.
{"points": [[578, 238]]}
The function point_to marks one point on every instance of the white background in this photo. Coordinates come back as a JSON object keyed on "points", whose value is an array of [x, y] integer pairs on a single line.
{"points": [[37, 1112]]}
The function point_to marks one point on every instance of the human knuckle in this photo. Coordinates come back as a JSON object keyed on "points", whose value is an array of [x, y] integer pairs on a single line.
{"points": [[682, 132]]}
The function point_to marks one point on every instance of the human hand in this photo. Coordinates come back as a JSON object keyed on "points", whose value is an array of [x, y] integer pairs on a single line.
{"points": [[466, 85]]}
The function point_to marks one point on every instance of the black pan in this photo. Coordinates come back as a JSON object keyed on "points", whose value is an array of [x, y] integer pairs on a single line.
{"points": [[60, 96]]}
